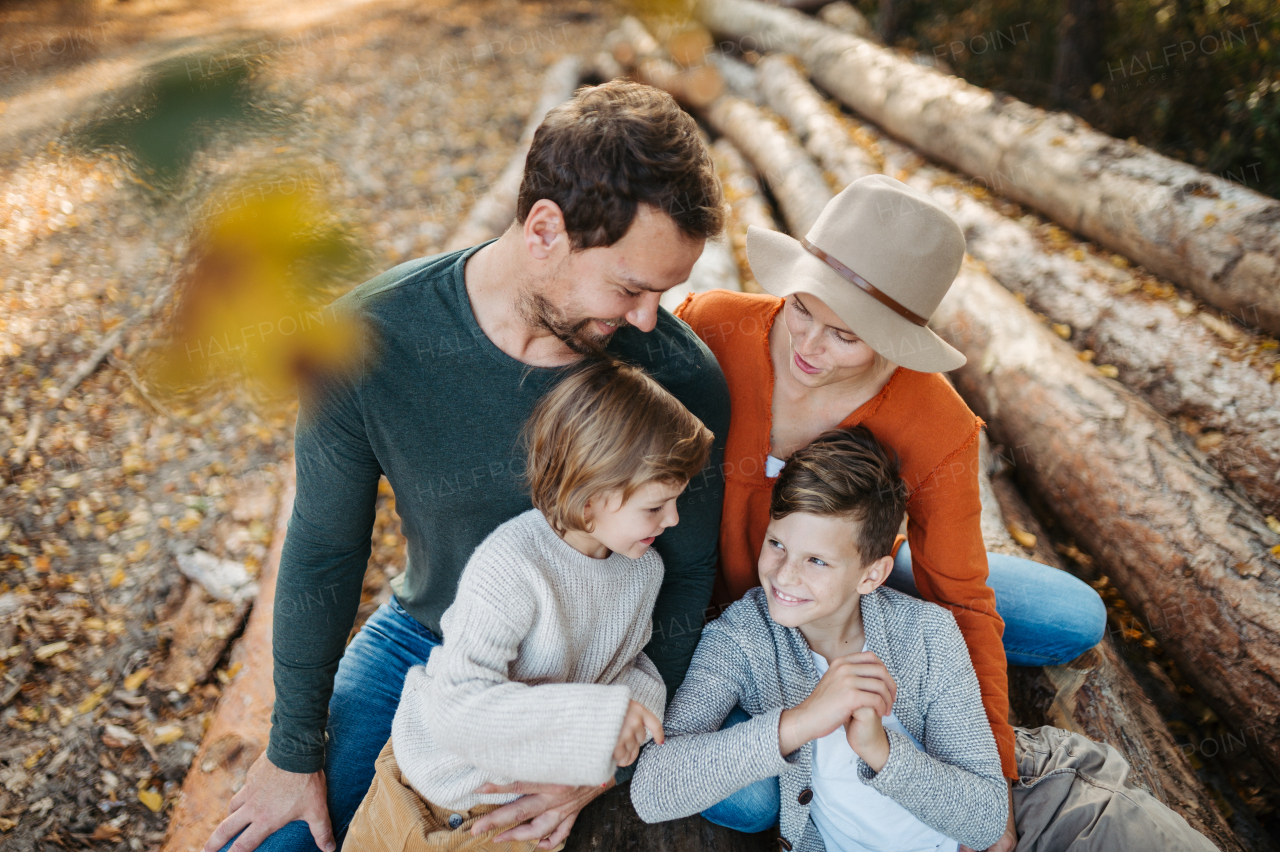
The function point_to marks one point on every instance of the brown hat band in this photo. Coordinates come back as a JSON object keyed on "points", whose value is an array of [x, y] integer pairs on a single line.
{"points": [[862, 283]]}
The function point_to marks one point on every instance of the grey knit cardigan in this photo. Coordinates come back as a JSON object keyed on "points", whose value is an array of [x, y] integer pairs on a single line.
{"points": [[955, 785]]}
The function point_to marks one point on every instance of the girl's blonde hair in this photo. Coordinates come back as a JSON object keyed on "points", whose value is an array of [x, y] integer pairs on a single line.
{"points": [[607, 427]]}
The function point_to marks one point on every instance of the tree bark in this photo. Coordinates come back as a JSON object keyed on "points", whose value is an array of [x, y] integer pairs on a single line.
{"points": [[826, 134], [1217, 238], [794, 179], [1191, 557], [1184, 360], [495, 212], [610, 824], [1095, 694], [635, 48], [742, 191]]}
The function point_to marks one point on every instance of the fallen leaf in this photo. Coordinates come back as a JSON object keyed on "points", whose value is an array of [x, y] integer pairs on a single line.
{"points": [[1061, 329], [105, 831], [44, 652], [1108, 370], [1274, 524], [137, 679], [93, 699], [6, 824], [1022, 537], [153, 800], [166, 734], [114, 736]]}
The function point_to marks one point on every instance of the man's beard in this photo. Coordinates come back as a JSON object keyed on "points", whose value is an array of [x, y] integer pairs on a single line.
{"points": [[538, 311]]}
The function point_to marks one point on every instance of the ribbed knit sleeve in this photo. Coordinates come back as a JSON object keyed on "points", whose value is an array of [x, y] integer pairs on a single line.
{"points": [[562, 733], [700, 764], [645, 683]]}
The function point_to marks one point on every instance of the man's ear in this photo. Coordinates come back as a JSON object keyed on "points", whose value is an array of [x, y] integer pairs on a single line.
{"points": [[544, 230], [875, 575]]}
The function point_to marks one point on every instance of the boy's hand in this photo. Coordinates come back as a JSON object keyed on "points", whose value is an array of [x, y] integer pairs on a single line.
{"points": [[866, 736], [633, 734], [851, 682]]}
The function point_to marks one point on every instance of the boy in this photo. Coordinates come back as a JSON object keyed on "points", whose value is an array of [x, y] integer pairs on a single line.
{"points": [[864, 703]]}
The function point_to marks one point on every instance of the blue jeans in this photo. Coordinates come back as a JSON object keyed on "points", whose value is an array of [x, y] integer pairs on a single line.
{"points": [[1050, 618], [366, 691]]}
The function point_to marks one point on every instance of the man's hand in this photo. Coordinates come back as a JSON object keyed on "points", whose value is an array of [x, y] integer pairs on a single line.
{"points": [[270, 799], [635, 726], [545, 811], [851, 682], [1009, 840]]}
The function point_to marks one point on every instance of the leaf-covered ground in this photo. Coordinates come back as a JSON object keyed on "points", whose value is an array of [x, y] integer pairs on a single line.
{"points": [[397, 116]]}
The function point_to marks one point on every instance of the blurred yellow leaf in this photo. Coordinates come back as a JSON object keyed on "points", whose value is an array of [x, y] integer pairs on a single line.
{"points": [[1022, 537], [253, 305], [1108, 370], [137, 679], [166, 734], [44, 652], [153, 800], [93, 699]]}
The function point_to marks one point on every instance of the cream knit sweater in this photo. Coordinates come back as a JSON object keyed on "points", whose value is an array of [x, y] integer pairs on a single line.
{"points": [[541, 657]]}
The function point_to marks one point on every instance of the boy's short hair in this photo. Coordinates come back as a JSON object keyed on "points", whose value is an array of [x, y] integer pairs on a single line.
{"points": [[607, 427], [613, 147], [846, 473]]}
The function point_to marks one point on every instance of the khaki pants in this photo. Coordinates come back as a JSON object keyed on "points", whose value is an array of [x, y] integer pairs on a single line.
{"points": [[394, 818], [1074, 795]]}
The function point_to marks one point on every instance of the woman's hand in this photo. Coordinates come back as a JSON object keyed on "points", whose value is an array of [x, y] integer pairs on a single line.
{"points": [[633, 734], [851, 682]]}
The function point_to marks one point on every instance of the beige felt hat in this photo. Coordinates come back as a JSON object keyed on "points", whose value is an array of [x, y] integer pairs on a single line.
{"points": [[882, 255]]}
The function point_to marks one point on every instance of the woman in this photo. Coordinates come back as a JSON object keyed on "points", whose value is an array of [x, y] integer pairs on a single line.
{"points": [[839, 340]]}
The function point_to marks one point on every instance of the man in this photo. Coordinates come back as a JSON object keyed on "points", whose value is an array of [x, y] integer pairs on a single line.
{"points": [[618, 198]]}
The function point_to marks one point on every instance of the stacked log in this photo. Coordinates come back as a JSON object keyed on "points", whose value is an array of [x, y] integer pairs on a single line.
{"points": [[1217, 238], [1095, 695], [1187, 552], [1189, 363], [747, 205]]}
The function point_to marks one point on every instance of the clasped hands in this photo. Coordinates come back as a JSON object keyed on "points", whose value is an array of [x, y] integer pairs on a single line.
{"points": [[856, 692]]}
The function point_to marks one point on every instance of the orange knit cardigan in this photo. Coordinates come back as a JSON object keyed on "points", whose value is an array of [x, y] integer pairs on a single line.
{"points": [[917, 415]]}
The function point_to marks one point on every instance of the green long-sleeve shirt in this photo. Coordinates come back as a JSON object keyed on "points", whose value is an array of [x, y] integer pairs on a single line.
{"points": [[437, 409]]}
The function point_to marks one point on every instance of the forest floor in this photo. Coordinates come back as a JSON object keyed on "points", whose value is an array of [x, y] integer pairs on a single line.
{"points": [[398, 114]]}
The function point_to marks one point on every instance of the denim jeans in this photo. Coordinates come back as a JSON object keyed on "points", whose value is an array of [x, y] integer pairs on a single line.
{"points": [[1050, 618], [366, 691]]}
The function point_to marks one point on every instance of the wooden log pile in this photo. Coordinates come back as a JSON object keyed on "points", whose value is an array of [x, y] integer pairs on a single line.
{"points": [[1188, 547], [1206, 233]]}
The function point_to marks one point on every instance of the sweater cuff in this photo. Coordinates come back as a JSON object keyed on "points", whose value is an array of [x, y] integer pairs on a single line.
{"points": [[296, 754], [890, 775]]}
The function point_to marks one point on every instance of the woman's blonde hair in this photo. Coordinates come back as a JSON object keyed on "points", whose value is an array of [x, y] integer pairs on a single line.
{"points": [[607, 427]]}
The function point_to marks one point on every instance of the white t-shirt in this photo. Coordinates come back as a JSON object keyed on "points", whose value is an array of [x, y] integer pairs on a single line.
{"points": [[852, 817], [773, 466]]}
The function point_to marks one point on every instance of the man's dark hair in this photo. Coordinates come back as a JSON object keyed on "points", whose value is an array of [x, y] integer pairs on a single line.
{"points": [[846, 473], [613, 147]]}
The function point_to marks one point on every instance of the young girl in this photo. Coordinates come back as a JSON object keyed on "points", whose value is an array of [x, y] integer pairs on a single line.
{"points": [[541, 677]]}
